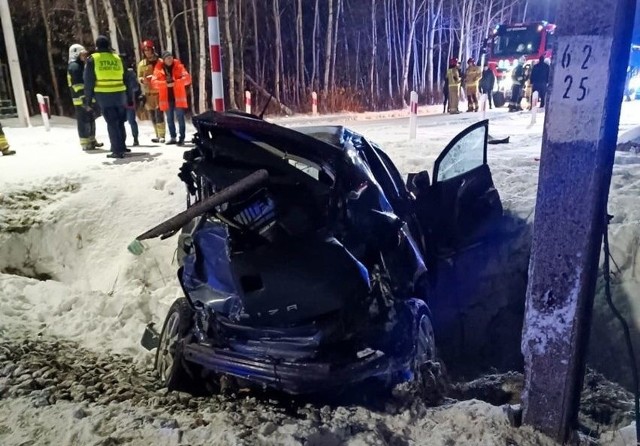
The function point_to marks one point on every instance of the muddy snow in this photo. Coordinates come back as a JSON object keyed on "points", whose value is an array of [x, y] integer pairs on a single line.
{"points": [[74, 301]]}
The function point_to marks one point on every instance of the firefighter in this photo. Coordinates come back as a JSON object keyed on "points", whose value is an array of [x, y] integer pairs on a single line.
{"points": [[471, 80], [4, 144], [150, 94], [517, 76], [171, 79], [104, 80], [453, 80], [86, 118]]}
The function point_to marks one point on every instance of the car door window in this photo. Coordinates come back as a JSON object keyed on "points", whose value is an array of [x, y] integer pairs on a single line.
{"points": [[465, 154]]}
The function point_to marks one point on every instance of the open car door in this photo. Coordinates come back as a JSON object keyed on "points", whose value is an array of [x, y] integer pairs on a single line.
{"points": [[462, 205]]}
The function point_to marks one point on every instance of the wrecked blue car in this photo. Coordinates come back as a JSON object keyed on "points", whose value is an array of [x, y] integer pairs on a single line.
{"points": [[307, 260]]}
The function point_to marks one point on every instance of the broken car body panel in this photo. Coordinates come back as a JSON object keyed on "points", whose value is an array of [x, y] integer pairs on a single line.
{"points": [[317, 278]]}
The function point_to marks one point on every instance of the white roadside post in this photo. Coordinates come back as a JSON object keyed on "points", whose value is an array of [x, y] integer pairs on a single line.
{"points": [[314, 103], [247, 101], [483, 105], [44, 111], [413, 115], [534, 108]]}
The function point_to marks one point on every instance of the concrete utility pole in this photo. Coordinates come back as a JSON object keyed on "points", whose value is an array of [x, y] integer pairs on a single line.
{"points": [[14, 64], [581, 127]]}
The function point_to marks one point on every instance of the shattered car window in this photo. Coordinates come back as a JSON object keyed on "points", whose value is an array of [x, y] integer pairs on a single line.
{"points": [[465, 155]]}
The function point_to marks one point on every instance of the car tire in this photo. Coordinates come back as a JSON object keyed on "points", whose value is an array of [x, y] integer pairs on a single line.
{"points": [[429, 369], [425, 339], [499, 99], [170, 363]]}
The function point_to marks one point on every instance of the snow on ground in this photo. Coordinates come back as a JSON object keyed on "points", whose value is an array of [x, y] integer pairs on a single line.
{"points": [[69, 216]]}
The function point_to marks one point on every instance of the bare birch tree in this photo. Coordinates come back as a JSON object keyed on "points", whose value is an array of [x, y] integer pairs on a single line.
{"points": [[231, 82], [113, 29], [414, 11], [314, 46], [300, 74], [93, 22], [278, 49], [167, 25], [374, 46], [133, 27], [52, 69], [327, 54], [202, 60]]}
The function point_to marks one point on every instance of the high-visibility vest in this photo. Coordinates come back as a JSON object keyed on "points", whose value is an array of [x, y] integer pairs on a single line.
{"points": [[453, 76], [77, 89], [109, 73]]}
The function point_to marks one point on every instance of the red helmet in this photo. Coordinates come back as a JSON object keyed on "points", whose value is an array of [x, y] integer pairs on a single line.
{"points": [[147, 44], [453, 62]]}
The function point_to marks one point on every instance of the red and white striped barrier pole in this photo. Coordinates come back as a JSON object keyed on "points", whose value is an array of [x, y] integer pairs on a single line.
{"points": [[43, 111], [314, 103], [217, 89], [247, 101], [413, 115]]}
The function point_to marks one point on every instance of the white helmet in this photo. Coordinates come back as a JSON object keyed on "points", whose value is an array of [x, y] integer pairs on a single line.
{"points": [[74, 51]]}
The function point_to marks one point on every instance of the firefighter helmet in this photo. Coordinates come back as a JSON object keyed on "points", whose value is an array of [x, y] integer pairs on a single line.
{"points": [[147, 45], [471, 60], [74, 51], [453, 62]]}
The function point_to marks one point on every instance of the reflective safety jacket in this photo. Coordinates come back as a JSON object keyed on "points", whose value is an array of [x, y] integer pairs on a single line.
{"points": [[145, 73], [472, 76], [109, 73], [75, 81], [453, 77], [176, 74], [104, 80]]}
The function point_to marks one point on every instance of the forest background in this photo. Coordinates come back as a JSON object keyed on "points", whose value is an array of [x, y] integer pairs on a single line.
{"points": [[358, 55]]}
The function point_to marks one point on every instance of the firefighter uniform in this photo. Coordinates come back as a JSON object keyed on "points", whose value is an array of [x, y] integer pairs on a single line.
{"points": [[472, 81], [453, 80], [151, 102], [104, 80], [85, 118]]}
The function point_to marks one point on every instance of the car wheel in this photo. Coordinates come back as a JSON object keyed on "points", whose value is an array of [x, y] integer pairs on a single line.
{"points": [[430, 371], [425, 341], [169, 357]]}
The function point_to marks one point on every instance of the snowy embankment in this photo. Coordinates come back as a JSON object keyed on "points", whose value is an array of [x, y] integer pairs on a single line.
{"points": [[68, 282]]}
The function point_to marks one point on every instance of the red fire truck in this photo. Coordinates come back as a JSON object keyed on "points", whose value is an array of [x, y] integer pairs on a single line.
{"points": [[507, 43]]}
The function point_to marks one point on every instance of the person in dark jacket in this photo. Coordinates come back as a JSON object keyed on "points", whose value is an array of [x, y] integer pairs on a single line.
{"points": [[487, 82], [445, 93], [518, 81], [540, 79], [104, 80], [133, 92], [85, 118]]}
